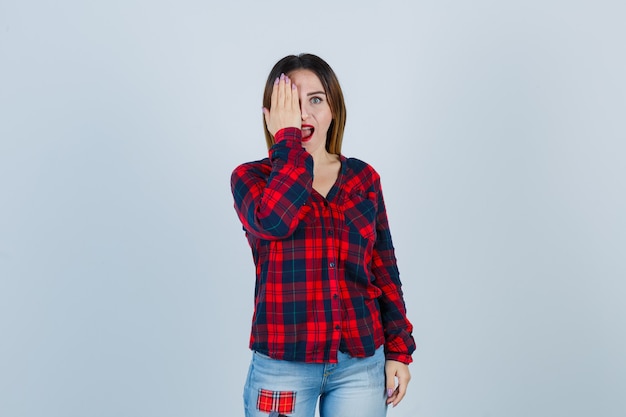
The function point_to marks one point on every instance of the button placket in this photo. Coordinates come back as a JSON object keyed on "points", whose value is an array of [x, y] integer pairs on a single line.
{"points": [[333, 272]]}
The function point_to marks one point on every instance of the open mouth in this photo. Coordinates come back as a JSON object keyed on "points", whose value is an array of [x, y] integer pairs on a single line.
{"points": [[307, 132]]}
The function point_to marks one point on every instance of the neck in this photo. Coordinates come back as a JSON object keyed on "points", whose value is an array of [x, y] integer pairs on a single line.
{"points": [[322, 156]]}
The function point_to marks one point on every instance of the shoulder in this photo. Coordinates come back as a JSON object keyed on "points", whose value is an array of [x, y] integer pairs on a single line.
{"points": [[360, 168], [261, 167], [360, 176]]}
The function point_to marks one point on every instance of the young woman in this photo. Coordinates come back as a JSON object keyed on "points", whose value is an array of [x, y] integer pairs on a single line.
{"points": [[329, 320]]}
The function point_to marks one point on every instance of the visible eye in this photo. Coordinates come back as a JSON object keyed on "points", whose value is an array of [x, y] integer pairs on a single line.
{"points": [[316, 100]]}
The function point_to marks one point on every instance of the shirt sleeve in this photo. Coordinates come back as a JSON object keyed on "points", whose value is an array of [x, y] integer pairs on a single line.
{"points": [[399, 342], [268, 206]]}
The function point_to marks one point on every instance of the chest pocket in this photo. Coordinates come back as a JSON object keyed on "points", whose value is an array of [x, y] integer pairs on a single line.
{"points": [[306, 216], [360, 213]]}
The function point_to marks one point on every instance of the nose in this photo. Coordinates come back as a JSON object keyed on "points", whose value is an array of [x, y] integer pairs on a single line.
{"points": [[304, 112]]}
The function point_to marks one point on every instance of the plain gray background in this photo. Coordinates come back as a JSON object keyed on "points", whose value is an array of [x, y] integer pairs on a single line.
{"points": [[126, 283]]}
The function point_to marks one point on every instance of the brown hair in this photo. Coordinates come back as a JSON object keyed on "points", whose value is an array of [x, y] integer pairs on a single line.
{"points": [[332, 89]]}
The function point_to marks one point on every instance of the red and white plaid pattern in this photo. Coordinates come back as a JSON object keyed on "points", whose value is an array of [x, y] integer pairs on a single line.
{"points": [[283, 402]]}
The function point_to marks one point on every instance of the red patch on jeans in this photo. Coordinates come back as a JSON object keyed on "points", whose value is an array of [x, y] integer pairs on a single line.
{"points": [[281, 401]]}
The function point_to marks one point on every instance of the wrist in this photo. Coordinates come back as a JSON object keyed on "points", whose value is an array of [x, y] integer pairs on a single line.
{"points": [[399, 357], [288, 134]]}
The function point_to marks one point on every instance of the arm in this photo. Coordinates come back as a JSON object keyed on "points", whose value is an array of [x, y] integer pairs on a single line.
{"points": [[268, 203], [399, 343], [268, 207]]}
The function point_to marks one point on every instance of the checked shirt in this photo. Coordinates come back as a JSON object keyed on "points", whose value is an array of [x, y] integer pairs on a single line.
{"points": [[326, 274]]}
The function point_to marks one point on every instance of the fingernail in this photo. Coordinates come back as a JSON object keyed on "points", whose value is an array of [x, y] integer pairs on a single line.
{"points": [[276, 81], [293, 86], [282, 76], [389, 392]]}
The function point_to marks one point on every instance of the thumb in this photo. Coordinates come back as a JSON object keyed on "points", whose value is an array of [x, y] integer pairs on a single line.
{"points": [[266, 115], [268, 126], [390, 378]]}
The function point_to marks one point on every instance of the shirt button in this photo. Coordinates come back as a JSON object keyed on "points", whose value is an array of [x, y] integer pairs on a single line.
{"points": [[335, 296], [332, 264], [330, 232], [337, 327]]}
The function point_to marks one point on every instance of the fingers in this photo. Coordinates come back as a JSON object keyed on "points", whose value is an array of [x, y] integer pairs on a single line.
{"points": [[390, 378], [281, 90], [295, 99], [287, 94], [396, 371], [273, 105], [285, 106], [274, 98], [266, 116], [400, 390]]}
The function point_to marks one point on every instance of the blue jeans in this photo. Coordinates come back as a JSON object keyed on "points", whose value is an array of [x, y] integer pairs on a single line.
{"points": [[353, 387]]}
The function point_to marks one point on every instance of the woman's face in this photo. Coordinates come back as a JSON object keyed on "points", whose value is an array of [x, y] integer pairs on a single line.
{"points": [[316, 114]]}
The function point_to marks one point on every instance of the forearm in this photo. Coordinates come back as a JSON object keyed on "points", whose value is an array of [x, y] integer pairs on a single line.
{"points": [[268, 207]]}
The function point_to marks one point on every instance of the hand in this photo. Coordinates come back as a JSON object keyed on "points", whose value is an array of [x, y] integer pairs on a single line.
{"points": [[285, 106], [399, 370]]}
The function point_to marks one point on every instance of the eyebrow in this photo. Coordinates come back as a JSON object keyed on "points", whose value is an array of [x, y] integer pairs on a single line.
{"points": [[316, 92]]}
